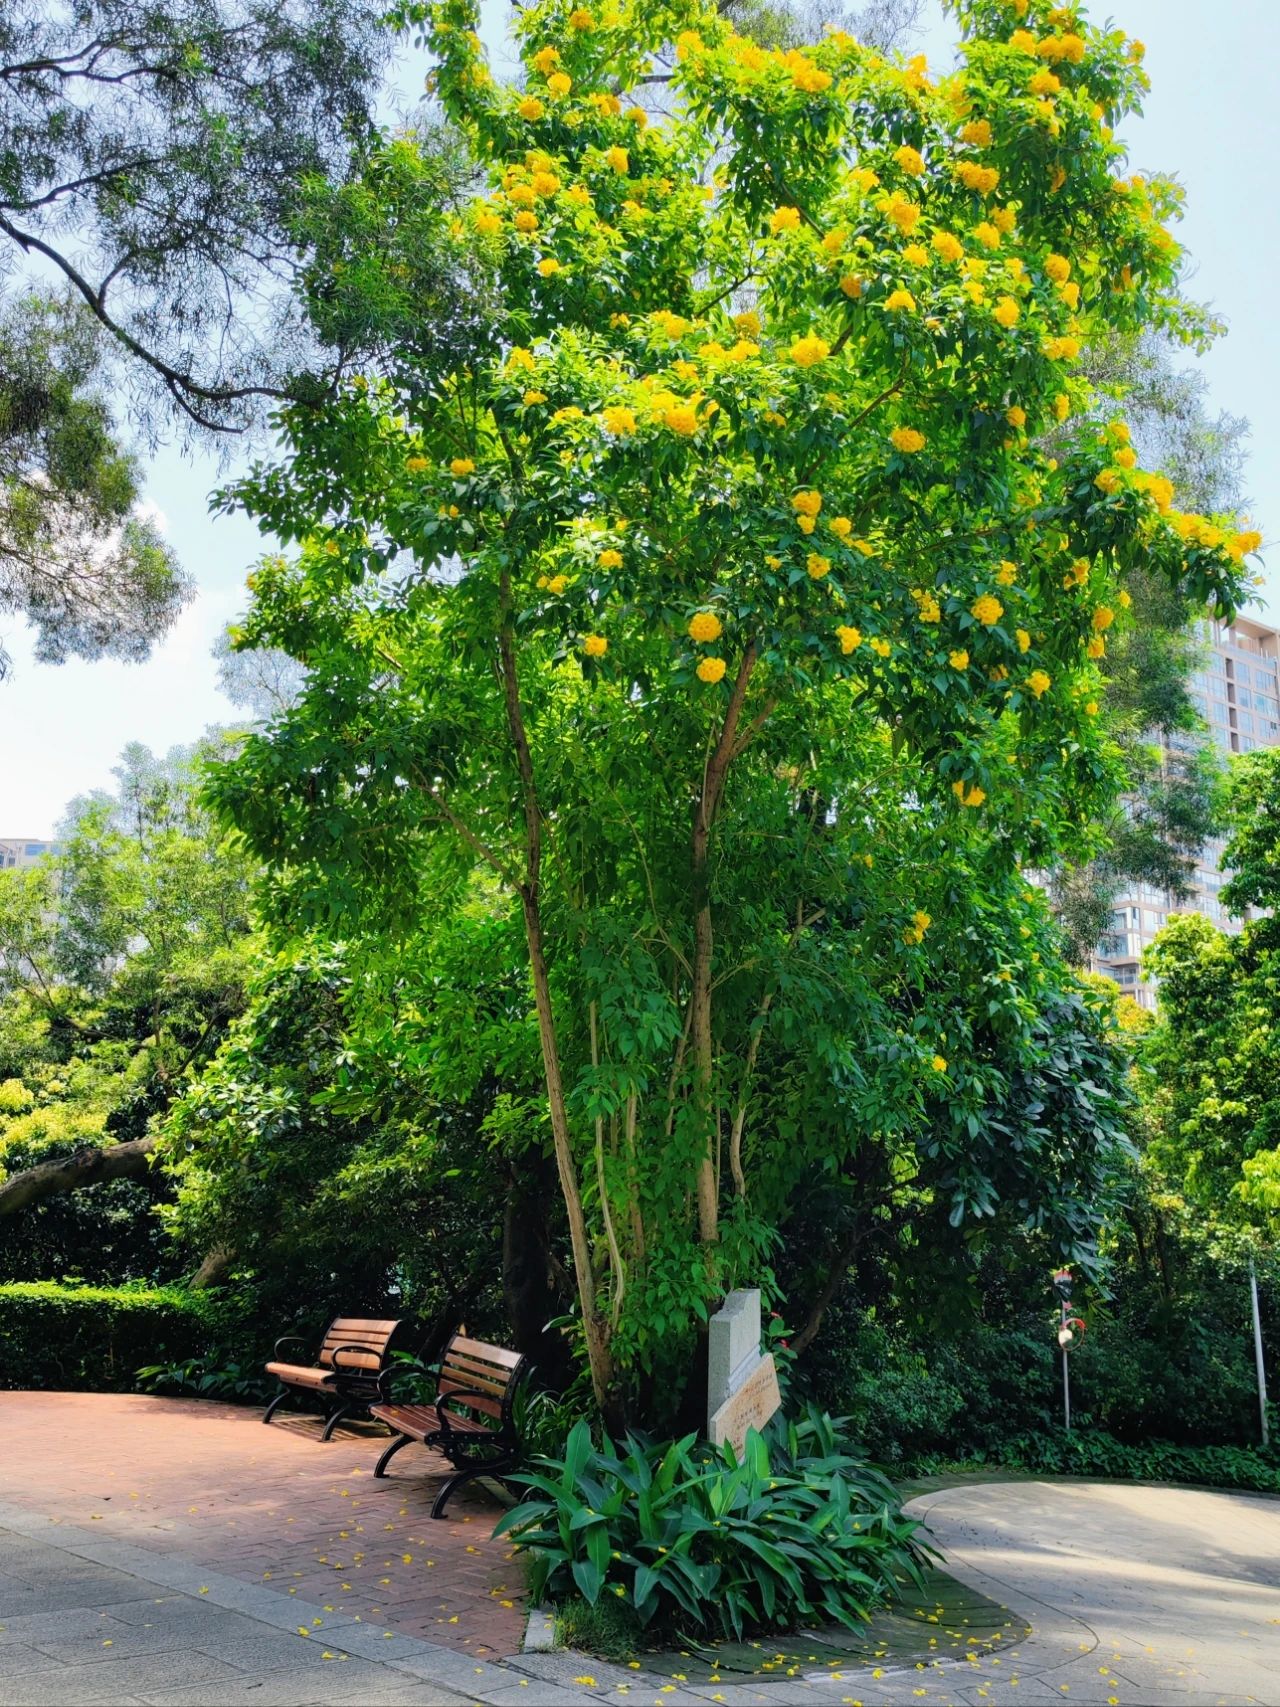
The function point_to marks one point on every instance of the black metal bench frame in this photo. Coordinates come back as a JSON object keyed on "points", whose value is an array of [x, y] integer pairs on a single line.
{"points": [[472, 1452]]}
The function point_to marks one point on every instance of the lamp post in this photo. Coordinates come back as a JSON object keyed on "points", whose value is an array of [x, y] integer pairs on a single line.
{"points": [[1068, 1326]]}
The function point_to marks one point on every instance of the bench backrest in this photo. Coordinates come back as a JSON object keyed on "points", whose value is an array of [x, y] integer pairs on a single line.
{"points": [[372, 1338], [486, 1375]]}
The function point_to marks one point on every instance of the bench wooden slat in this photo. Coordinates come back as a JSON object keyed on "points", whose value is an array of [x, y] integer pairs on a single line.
{"points": [[486, 1402], [476, 1373], [420, 1421], [486, 1353]]}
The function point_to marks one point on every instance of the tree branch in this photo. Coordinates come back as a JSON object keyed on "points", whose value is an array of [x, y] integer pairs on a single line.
{"points": [[87, 1166]]}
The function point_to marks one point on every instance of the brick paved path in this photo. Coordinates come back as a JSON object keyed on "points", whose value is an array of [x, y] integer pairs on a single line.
{"points": [[207, 1482]]}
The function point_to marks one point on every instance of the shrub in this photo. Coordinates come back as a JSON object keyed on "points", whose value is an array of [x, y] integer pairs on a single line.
{"points": [[798, 1531], [1086, 1453], [86, 1338]]}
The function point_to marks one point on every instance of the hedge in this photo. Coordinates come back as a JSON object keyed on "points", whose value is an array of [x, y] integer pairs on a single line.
{"points": [[1086, 1453], [95, 1338]]}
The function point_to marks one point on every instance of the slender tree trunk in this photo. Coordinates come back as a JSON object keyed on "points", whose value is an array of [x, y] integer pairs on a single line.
{"points": [[595, 1329], [830, 1286], [704, 816]]}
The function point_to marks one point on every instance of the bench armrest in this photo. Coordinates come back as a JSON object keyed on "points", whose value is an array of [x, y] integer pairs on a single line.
{"points": [[286, 1339], [393, 1371], [357, 1368]]}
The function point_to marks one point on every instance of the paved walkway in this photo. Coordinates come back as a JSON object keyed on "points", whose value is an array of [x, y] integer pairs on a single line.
{"points": [[197, 1480], [162, 1552], [1137, 1595]]}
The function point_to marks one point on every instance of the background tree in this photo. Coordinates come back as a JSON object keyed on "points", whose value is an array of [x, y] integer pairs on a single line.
{"points": [[78, 558], [153, 162], [1172, 798], [1214, 1058], [122, 961]]}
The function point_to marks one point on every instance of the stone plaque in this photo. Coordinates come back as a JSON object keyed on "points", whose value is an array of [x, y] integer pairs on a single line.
{"points": [[750, 1406], [742, 1386]]}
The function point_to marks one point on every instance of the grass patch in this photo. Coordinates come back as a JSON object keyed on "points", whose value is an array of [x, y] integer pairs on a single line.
{"points": [[609, 1629]]}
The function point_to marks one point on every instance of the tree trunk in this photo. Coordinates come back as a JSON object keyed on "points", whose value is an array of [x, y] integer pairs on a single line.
{"points": [[704, 816], [595, 1329], [213, 1269], [836, 1276], [85, 1167]]}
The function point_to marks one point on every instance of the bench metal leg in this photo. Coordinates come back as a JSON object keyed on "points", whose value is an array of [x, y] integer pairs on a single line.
{"points": [[275, 1404], [380, 1468], [343, 1411], [469, 1475]]}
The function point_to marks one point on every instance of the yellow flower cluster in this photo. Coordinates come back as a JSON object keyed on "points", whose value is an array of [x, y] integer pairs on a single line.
{"points": [[850, 638], [705, 626], [1069, 47], [784, 219], [948, 246], [1039, 682], [986, 609], [710, 670], [595, 645], [461, 466], [959, 659], [610, 558], [908, 440], [977, 133], [968, 796], [817, 565], [880, 647], [900, 302], [809, 351], [808, 78], [1007, 574], [619, 421], [904, 213], [914, 932], [981, 179], [1006, 312], [910, 160], [927, 608]]}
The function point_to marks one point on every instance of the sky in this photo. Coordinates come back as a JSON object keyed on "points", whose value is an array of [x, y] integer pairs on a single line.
{"points": [[1208, 121]]}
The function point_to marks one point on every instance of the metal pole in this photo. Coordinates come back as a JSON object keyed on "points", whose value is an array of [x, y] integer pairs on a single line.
{"points": [[1066, 1379], [1257, 1350]]}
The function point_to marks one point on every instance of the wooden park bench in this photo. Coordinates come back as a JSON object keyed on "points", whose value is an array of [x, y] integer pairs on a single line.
{"points": [[344, 1376], [469, 1422]]}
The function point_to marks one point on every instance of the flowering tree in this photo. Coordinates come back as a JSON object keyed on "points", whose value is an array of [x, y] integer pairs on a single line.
{"points": [[723, 608]]}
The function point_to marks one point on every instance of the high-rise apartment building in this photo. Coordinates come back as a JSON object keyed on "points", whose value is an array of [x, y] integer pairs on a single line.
{"points": [[1238, 694], [24, 850]]}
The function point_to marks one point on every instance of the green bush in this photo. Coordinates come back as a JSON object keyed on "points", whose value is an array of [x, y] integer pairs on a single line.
{"points": [[95, 1338], [1086, 1453], [799, 1532]]}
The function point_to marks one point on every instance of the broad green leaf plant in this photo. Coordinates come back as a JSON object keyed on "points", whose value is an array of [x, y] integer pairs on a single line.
{"points": [[723, 612]]}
